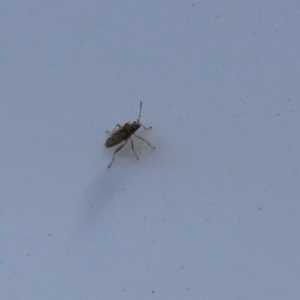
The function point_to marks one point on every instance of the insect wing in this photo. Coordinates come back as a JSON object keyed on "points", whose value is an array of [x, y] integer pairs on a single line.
{"points": [[115, 139]]}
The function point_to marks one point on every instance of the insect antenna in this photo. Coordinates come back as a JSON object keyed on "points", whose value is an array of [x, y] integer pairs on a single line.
{"points": [[140, 112]]}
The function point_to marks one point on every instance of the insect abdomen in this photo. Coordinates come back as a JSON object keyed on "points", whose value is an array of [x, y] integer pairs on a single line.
{"points": [[112, 141], [109, 142]]}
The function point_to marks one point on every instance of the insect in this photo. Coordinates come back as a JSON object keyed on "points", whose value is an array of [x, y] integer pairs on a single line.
{"points": [[123, 134]]}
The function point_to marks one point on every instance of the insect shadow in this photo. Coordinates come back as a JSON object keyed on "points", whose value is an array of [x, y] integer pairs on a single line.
{"points": [[123, 134]]}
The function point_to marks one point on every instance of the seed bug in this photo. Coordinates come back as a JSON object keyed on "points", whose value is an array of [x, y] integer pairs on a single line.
{"points": [[123, 134]]}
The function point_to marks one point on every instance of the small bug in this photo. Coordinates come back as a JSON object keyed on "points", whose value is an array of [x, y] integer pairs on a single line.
{"points": [[123, 134]]}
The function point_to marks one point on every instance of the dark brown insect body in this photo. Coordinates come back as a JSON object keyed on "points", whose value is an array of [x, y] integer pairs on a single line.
{"points": [[123, 134]]}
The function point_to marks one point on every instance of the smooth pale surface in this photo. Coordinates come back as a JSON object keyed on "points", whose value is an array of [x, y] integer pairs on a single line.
{"points": [[213, 212]]}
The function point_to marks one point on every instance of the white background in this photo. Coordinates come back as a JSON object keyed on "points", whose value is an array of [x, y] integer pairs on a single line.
{"points": [[213, 212]]}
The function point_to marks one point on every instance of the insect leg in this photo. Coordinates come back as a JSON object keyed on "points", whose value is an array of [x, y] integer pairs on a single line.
{"points": [[144, 141], [132, 146], [118, 125], [116, 152], [146, 127]]}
